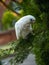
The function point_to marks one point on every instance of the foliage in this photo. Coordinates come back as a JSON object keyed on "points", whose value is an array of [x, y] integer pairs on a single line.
{"points": [[41, 41], [23, 48], [5, 53], [8, 19], [41, 48]]}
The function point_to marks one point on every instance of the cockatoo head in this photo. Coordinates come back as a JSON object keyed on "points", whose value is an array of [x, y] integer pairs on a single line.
{"points": [[30, 18]]}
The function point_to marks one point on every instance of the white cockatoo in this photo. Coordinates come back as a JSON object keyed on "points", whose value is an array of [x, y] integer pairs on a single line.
{"points": [[23, 26]]}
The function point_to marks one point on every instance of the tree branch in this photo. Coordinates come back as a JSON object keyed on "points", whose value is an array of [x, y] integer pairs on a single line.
{"points": [[9, 8]]}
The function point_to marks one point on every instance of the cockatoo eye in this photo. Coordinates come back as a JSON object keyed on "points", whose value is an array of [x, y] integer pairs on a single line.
{"points": [[31, 19]]}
